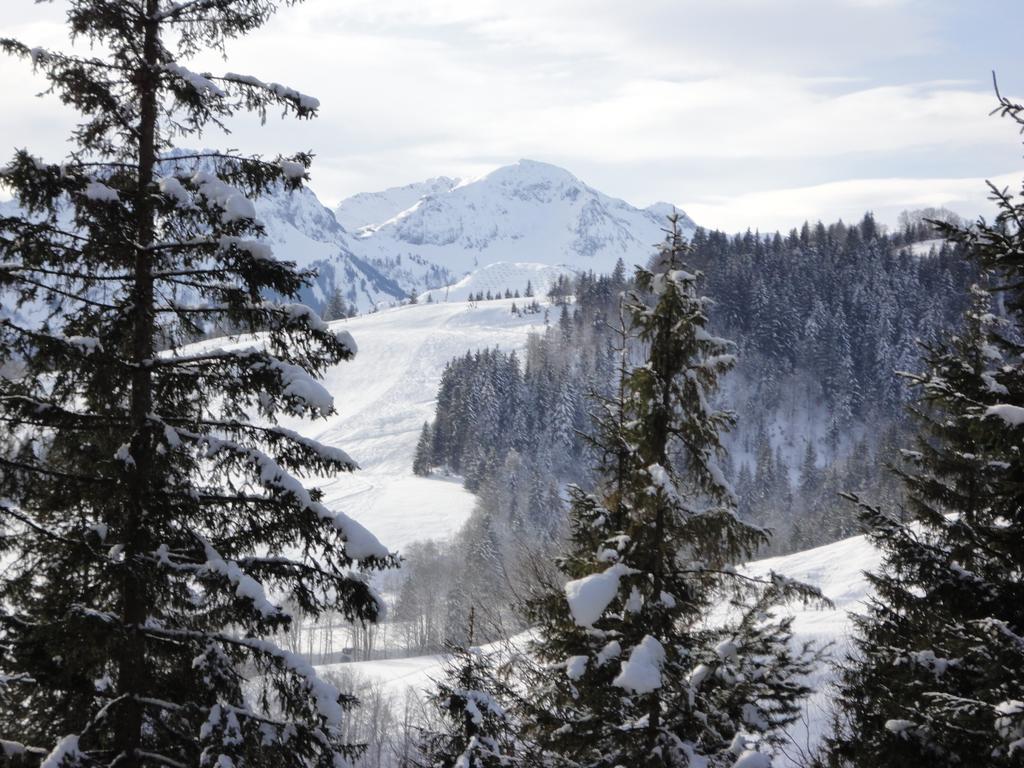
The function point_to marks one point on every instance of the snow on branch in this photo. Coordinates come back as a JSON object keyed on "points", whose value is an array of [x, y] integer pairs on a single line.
{"points": [[14, 748], [174, 10], [100, 192], [324, 695], [235, 205], [360, 544], [1013, 415], [327, 452], [589, 596], [245, 585], [66, 750], [201, 84], [641, 672], [296, 382], [302, 102]]}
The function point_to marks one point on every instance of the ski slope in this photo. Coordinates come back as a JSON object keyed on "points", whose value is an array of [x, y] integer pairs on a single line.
{"points": [[382, 398]]}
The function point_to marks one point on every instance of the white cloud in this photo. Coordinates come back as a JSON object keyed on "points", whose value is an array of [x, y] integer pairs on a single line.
{"points": [[648, 101], [787, 208]]}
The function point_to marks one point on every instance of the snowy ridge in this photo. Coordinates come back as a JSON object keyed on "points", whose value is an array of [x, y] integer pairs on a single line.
{"points": [[367, 209], [525, 212]]}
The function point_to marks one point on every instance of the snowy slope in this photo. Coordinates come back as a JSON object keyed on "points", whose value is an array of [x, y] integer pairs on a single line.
{"points": [[837, 569], [525, 212], [369, 208], [496, 278], [384, 396], [925, 247]]}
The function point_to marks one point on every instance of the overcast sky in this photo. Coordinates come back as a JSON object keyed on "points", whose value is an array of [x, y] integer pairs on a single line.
{"points": [[755, 113]]}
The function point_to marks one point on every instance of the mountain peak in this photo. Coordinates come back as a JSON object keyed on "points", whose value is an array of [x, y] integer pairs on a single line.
{"points": [[530, 172], [527, 211], [662, 210]]}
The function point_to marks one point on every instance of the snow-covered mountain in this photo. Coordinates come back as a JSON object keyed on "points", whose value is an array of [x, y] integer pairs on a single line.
{"points": [[524, 212], [528, 221], [301, 229], [369, 208]]}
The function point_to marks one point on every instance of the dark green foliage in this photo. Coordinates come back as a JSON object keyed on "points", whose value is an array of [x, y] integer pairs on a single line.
{"points": [[842, 305], [422, 459], [475, 730], [150, 531], [822, 318], [640, 676], [938, 671], [489, 404]]}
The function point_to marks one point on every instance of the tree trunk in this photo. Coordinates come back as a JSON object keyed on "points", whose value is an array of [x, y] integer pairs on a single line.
{"points": [[132, 674]]}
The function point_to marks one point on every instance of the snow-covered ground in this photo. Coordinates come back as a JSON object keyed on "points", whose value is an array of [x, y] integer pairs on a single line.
{"points": [[925, 247], [383, 397], [496, 278], [837, 569]]}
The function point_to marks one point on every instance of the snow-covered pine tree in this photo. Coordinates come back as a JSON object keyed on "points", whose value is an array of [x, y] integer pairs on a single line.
{"points": [[422, 460], [470, 702], [151, 530], [633, 672], [938, 669]]}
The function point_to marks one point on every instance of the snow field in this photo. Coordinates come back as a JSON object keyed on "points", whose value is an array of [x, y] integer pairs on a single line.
{"points": [[382, 398]]}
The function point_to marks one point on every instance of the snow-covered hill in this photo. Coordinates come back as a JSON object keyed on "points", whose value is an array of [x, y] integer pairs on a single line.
{"points": [[524, 212]]}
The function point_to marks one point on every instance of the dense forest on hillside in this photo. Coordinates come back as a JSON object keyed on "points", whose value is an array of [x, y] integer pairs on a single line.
{"points": [[821, 319]]}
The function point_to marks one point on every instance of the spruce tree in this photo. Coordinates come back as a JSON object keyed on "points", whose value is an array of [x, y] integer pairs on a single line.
{"points": [[938, 667], [422, 459], [470, 700], [635, 674], [153, 524]]}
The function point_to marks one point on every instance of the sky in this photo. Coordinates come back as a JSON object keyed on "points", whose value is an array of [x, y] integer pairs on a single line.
{"points": [[745, 113]]}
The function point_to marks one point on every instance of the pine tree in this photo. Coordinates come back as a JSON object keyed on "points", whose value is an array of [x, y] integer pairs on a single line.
{"points": [[477, 730], [151, 531], [422, 460], [642, 678], [938, 668], [337, 308]]}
